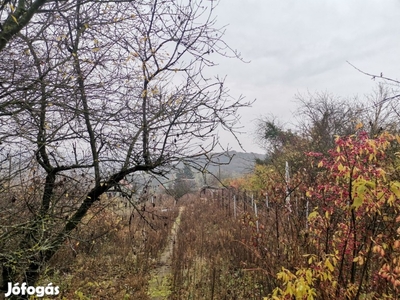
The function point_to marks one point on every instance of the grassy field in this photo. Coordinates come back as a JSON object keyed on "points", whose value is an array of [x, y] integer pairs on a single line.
{"points": [[112, 254], [215, 255]]}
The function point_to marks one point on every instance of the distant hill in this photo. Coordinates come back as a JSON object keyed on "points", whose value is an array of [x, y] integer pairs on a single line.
{"points": [[225, 165], [241, 163], [231, 165]]}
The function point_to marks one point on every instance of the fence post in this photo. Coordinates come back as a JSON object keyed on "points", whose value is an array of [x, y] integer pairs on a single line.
{"points": [[234, 206], [287, 179], [256, 213], [307, 214]]}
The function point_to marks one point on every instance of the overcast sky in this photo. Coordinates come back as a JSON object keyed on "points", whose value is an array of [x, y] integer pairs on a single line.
{"points": [[299, 46]]}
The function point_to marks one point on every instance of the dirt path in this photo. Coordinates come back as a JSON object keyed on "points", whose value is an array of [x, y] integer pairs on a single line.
{"points": [[159, 288]]}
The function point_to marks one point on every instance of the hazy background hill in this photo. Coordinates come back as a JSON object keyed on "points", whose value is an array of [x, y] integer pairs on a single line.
{"points": [[240, 164], [231, 165], [225, 165]]}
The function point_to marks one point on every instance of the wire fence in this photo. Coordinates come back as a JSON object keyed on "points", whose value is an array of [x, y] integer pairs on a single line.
{"points": [[239, 202]]}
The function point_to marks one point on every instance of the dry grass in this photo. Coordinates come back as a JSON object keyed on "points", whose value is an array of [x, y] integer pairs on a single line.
{"points": [[216, 256], [212, 259], [111, 256]]}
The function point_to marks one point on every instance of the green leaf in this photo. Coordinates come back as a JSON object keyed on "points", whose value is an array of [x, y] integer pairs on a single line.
{"points": [[358, 201], [395, 188], [312, 215]]}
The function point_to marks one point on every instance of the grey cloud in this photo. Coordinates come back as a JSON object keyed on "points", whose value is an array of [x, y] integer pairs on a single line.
{"points": [[304, 45]]}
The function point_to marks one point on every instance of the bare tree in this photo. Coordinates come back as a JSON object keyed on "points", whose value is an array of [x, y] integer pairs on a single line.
{"points": [[382, 110], [322, 116], [15, 15], [379, 114], [91, 92]]}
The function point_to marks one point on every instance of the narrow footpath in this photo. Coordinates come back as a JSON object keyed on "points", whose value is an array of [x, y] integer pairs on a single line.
{"points": [[159, 284]]}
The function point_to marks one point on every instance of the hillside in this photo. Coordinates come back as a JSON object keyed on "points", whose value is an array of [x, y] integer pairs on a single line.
{"points": [[241, 163], [231, 165]]}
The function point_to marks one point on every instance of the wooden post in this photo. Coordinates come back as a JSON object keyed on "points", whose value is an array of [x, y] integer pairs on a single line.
{"points": [[234, 206], [307, 214], [287, 179], [244, 201]]}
